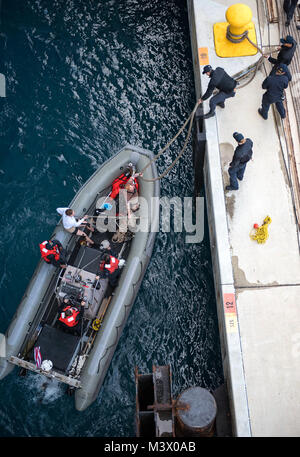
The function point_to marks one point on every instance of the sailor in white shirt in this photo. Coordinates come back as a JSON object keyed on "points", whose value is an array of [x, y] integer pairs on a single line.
{"points": [[71, 224]]}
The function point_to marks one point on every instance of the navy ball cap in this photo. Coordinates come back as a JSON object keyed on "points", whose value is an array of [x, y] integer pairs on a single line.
{"points": [[238, 136], [206, 69], [289, 39]]}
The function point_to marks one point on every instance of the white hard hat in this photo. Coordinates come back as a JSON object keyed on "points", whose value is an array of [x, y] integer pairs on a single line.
{"points": [[46, 365]]}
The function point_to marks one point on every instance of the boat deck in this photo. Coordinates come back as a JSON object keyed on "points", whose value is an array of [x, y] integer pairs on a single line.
{"points": [[257, 285], [83, 265]]}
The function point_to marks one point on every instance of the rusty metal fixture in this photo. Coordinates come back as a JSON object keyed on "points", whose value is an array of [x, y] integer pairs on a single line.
{"points": [[168, 406], [154, 403], [198, 416]]}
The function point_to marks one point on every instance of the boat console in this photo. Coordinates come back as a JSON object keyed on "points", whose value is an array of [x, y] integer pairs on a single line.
{"points": [[82, 285]]}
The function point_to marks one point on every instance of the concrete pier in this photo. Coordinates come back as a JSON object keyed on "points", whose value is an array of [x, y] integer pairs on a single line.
{"points": [[257, 285]]}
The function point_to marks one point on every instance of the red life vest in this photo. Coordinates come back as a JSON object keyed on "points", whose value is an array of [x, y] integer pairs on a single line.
{"points": [[120, 182], [112, 267], [45, 252], [70, 321]]}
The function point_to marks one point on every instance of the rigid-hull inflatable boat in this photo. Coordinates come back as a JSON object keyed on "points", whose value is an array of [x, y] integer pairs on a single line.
{"points": [[81, 361]]}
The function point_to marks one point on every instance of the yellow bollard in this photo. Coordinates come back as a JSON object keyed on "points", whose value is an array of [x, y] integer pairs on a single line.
{"points": [[229, 38]]}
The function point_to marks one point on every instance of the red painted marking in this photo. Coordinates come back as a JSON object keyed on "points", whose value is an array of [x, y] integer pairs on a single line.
{"points": [[229, 303]]}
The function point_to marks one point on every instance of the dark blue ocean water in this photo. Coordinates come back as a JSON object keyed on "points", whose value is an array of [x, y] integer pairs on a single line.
{"points": [[83, 78]]}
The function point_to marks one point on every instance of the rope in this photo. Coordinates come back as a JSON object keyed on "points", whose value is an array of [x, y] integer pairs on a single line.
{"points": [[112, 217], [257, 65], [191, 119], [234, 39], [239, 38], [261, 233]]}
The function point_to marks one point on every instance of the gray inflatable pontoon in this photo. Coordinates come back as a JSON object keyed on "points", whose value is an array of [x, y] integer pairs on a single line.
{"points": [[81, 361]]}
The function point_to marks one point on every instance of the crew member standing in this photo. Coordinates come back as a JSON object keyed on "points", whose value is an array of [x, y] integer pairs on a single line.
{"points": [[289, 7], [53, 253], [242, 155], [285, 70], [274, 86], [219, 79]]}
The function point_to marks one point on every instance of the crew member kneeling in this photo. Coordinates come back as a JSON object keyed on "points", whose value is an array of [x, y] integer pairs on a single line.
{"points": [[53, 253]]}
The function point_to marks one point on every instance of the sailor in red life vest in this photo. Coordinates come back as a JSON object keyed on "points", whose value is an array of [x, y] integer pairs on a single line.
{"points": [[70, 316], [110, 268], [53, 253], [123, 179], [128, 178]]}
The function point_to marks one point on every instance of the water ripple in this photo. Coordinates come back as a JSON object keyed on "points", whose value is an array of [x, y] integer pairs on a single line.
{"points": [[83, 79]]}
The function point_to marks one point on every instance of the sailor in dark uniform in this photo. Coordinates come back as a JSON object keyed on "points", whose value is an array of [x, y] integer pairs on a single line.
{"points": [[286, 51], [289, 7], [284, 68], [242, 155], [219, 79], [274, 86]]}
